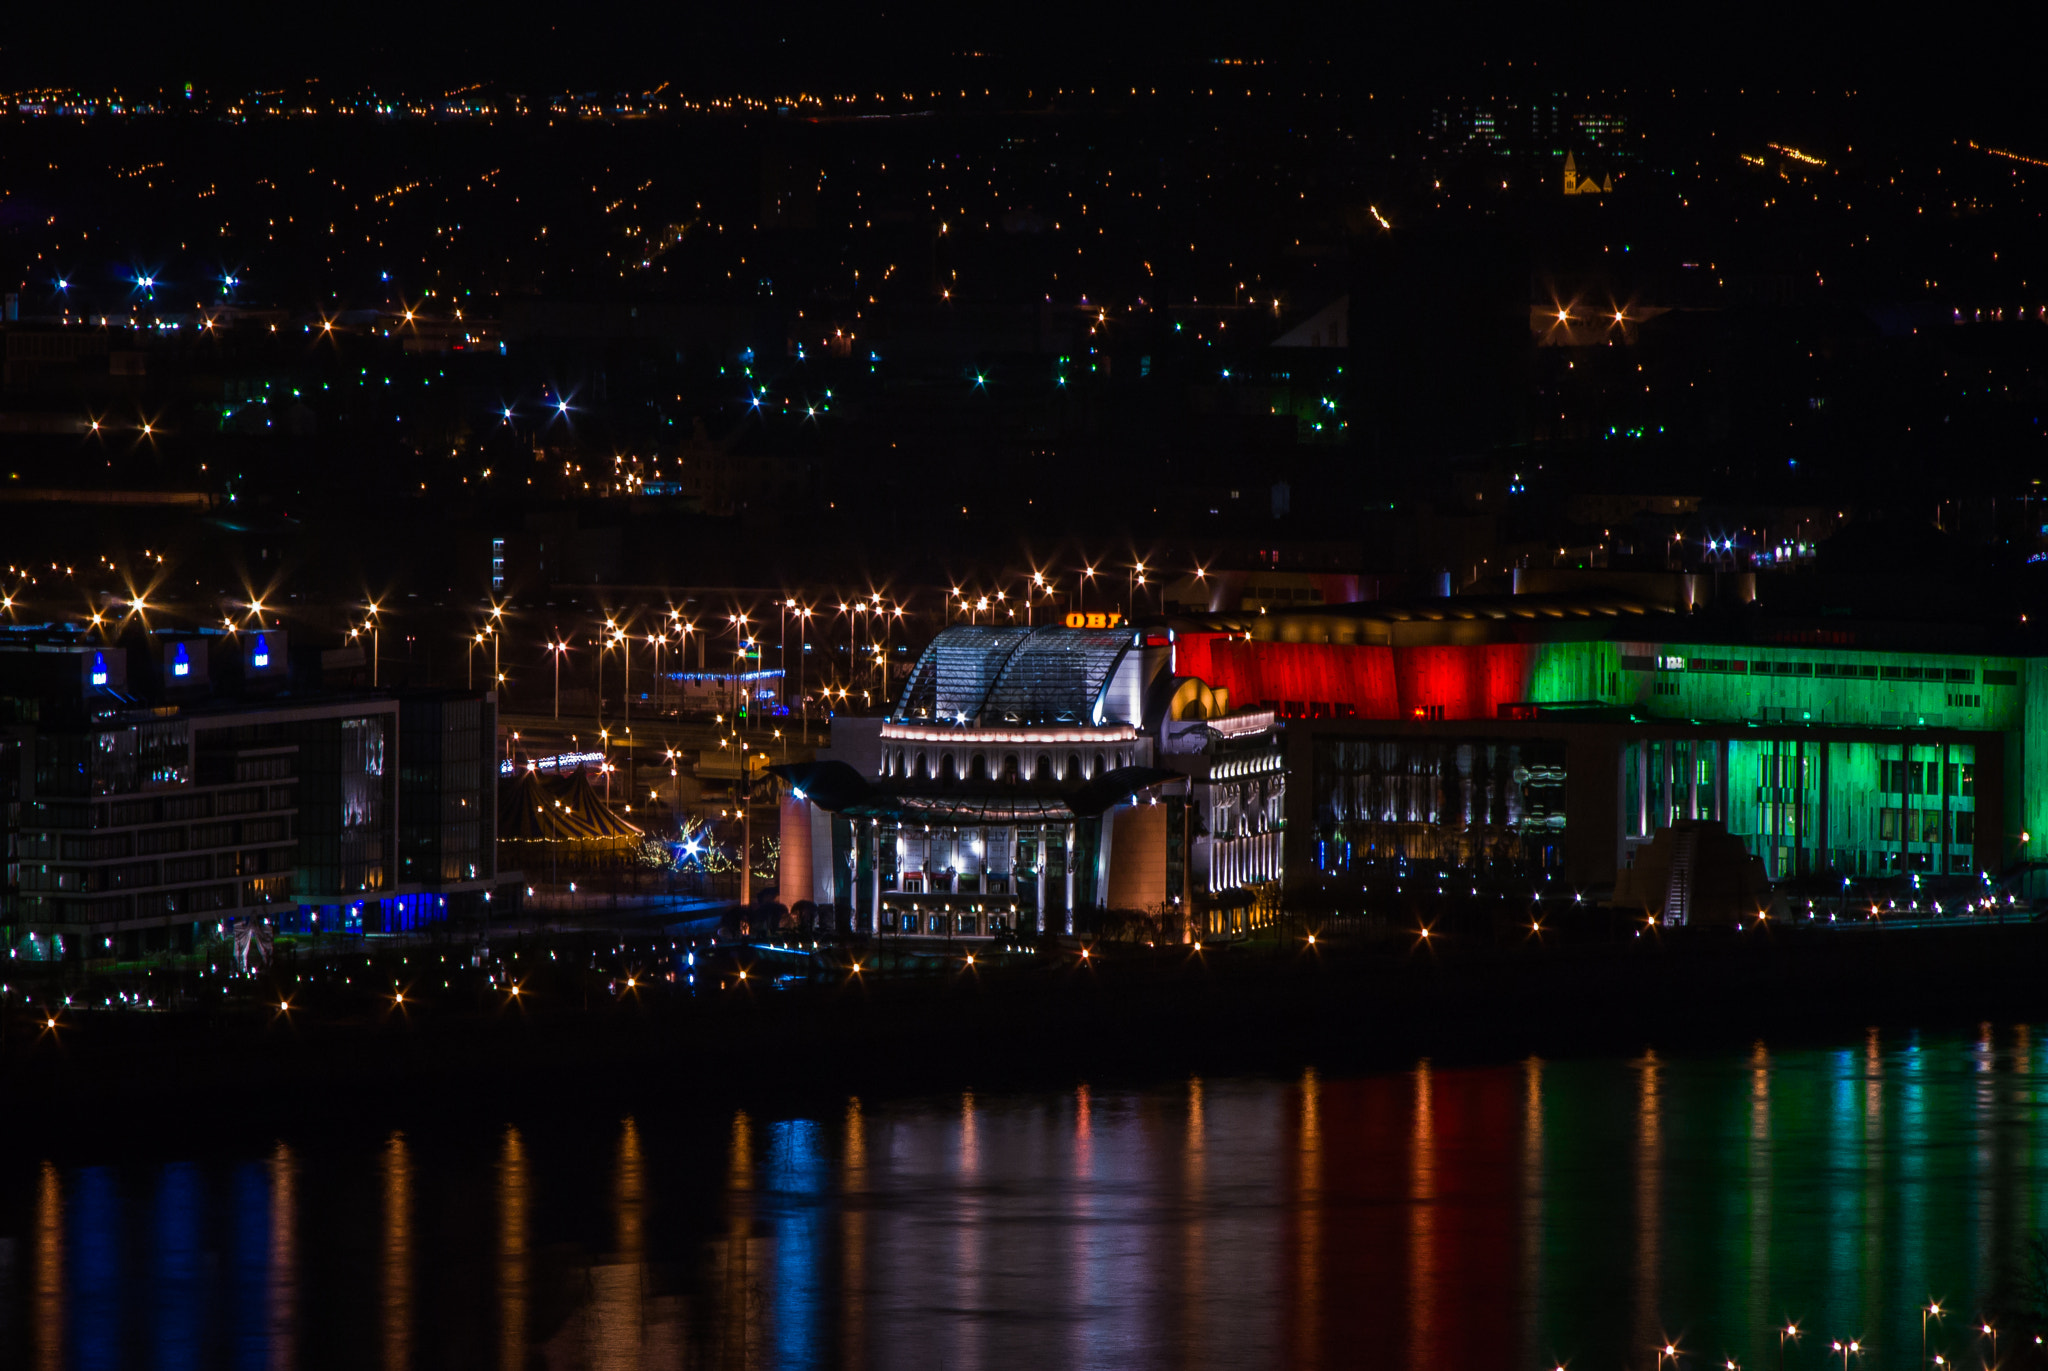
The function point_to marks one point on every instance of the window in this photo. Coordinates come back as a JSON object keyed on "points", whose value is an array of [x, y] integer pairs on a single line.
{"points": [[1965, 825]]}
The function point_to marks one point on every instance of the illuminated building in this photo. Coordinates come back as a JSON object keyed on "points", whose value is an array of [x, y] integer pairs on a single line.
{"points": [[1563, 733], [1574, 184], [1030, 775], [142, 813]]}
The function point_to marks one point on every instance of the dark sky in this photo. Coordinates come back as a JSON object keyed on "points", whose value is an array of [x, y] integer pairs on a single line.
{"points": [[1942, 56]]}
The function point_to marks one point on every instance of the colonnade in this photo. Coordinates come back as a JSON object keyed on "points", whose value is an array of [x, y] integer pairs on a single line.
{"points": [[980, 872], [1244, 859]]}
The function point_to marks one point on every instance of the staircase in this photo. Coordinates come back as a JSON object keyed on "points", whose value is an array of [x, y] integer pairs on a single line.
{"points": [[1678, 894]]}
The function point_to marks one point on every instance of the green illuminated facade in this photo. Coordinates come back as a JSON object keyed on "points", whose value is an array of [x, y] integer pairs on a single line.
{"points": [[1832, 753]]}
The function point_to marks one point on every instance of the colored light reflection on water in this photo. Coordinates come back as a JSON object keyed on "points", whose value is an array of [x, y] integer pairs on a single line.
{"points": [[1526, 1214]]}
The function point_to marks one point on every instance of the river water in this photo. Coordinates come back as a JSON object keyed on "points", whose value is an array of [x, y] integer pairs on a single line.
{"points": [[1523, 1214]]}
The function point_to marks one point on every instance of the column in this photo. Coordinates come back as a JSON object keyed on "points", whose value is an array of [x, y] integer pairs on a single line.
{"points": [[875, 876], [1643, 788], [1068, 917], [1941, 861], [1826, 805], [1721, 780], [1038, 924], [1010, 850]]}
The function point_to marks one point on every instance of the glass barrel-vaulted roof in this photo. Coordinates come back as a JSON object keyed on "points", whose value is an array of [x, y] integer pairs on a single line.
{"points": [[1012, 676]]}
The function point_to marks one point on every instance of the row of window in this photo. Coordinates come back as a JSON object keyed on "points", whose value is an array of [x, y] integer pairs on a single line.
{"points": [[1865, 671], [940, 925], [138, 875], [1045, 767]]}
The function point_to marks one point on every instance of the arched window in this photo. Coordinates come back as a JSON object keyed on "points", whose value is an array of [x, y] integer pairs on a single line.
{"points": [[977, 768], [1011, 771], [1043, 771], [897, 770], [1073, 768], [1100, 765], [924, 770], [947, 775]]}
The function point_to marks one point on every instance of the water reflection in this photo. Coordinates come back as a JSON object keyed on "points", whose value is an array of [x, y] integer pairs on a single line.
{"points": [[616, 1292], [281, 1281], [1524, 1214], [1647, 1323], [513, 1257], [398, 1272], [49, 1332]]}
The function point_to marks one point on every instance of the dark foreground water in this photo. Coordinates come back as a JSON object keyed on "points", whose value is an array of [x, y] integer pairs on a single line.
{"points": [[1502, 1216]]}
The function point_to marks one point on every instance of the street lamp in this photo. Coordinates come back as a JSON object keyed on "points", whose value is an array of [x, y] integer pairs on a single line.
{"points": [[1931, 1307], [625, 646], [1087, 575], [739, 652], [470, 658], [376, 640], [1790, 1330], [556, 649], [655, 641], [1845, 1348], [803, 663]]}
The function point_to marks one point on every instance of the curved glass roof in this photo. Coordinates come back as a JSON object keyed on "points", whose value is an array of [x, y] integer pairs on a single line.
{"points": [[1012, 676]]}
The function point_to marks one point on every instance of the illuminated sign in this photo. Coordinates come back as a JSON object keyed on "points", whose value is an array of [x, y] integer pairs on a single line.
{"points": [[99, 668], [260, 657], [181, 662], [1093, 619], [563, 761]]}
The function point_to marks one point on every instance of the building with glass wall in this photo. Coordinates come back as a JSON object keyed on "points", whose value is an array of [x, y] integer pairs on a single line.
{"points": [[143, 812], [1028, 777], [1561, 734]]}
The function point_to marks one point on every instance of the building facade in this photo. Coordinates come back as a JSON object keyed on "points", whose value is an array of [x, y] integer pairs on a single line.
{"points": [[144, 809], [1030, 777], [1562, 734]]}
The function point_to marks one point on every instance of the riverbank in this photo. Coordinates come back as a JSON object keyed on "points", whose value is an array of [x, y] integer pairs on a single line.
{"points": [[609, 1021]]}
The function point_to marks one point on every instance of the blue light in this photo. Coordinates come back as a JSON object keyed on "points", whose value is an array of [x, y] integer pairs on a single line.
{"points": [[562, 407], [181, 663], [63, 284], [260, 658], [99, 668]]}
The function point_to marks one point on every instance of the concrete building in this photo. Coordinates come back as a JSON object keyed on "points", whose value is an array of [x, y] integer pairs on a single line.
{"points": [[144, 807], [1564, 733]]}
